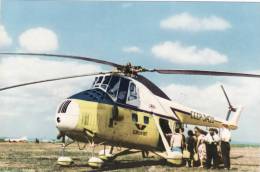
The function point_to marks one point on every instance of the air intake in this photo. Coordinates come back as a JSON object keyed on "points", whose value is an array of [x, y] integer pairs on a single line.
{"points": [[64, 106]]}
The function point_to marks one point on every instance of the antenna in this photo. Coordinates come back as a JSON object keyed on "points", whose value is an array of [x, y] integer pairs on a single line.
{"points": [[230, 107]]}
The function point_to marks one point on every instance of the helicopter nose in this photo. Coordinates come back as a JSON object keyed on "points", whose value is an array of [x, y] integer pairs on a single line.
{"points": [[67, 115]]}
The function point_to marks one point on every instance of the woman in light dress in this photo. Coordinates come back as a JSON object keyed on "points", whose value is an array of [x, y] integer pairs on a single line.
{"points": [[201, 147]]}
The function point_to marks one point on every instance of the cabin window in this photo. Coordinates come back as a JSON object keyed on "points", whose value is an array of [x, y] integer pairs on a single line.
{"points": [[146, 120], [132, 92], [134, 117], [122, 94], [113, 86]]}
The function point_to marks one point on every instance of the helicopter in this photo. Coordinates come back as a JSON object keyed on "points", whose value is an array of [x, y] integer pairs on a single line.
{"points": [[125, 109]]}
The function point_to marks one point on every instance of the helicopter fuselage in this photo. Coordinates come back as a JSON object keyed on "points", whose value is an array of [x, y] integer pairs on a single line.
{"points": [[122, 111]]}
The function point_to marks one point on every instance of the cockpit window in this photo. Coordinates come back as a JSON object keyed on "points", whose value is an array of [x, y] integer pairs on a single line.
{"points": [[94, 81], [113, 86], [99, 79], [132, 92], [107, 79], [105, 82]]}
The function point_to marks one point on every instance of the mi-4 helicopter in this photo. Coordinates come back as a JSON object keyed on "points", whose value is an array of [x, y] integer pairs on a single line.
{"points": [[123, 108]]}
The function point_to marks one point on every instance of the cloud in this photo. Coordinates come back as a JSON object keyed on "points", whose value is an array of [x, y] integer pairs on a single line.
{"points": [[39, 40], [210, 99], [5, 39], [187, 22], [177, 53], [132, 49], [30, 108]]}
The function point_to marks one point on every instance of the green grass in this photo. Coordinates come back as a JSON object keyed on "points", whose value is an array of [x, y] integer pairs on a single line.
{"points": [[30, 157], [246, 145]]}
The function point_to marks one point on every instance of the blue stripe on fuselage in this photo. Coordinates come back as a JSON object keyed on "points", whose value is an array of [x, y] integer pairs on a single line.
{"points": [[99, 96], [94, 95]]}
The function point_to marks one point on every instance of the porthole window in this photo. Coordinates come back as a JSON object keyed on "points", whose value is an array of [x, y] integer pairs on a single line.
{"points": [[146, 120], [134, 117]]}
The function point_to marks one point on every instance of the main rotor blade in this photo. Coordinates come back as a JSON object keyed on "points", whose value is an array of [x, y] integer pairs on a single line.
{"points": [[67, 56], [53, 79], [204, 72]]}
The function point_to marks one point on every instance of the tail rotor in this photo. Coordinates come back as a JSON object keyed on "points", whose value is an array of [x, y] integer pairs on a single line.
{"points": [[230, 107]]}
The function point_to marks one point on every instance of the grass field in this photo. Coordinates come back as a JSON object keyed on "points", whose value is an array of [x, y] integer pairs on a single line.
{"points": [[42, 157]]}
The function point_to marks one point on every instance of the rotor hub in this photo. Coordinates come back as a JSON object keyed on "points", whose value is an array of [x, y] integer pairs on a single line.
{"points": [[129, 69]]}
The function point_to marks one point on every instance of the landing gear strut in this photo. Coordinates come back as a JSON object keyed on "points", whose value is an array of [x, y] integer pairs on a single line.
{"points": [[106, 154], [93, 161], [64, 160]]}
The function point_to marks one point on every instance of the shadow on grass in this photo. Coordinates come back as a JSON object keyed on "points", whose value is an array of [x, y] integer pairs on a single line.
{"points": [[125, 164], [237, 157], [117, 165]]}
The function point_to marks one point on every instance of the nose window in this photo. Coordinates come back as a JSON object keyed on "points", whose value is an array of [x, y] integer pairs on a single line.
{"points": [[64, 106]]}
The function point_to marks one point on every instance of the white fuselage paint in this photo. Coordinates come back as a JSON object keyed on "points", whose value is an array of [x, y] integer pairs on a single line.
{"points": [[67, 120]]}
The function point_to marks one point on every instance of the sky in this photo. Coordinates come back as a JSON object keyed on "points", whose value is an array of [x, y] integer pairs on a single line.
{"points": [[169, 35]]}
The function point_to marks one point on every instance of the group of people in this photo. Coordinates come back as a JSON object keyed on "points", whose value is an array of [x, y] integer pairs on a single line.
{"points": [[206, 149]]}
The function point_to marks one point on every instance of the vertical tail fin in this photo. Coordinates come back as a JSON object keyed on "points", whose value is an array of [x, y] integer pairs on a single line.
{"points": [[233, 122], [235, 119]]}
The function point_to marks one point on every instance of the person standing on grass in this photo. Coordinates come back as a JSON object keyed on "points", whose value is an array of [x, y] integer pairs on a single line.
{"points": [[225, 136], [191, 145], [211, 147], [217, 138]]}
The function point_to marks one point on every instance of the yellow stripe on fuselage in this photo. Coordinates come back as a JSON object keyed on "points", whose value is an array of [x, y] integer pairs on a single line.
{"points": [[95, 117]]}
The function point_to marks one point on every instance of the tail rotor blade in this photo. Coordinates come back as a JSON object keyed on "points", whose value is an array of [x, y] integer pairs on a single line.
{"points": [[228, 115], [223, 89], [230, 107]]}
